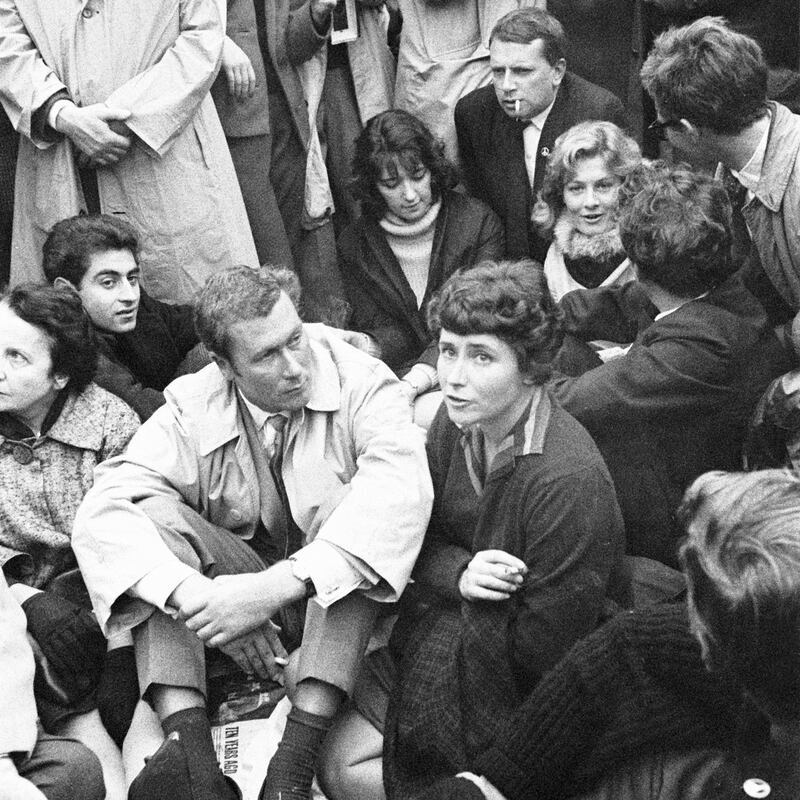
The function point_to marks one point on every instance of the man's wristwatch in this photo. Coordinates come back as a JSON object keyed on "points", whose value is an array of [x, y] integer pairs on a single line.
{"points": [[299, 571]]}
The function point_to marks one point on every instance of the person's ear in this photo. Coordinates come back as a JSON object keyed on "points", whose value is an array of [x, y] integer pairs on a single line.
{"points": [[63, 283], [559, 70], [224, 365], [60, 381]]}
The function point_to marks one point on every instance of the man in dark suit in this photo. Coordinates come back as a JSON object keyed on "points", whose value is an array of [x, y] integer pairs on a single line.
{"points": [[506, 131]]}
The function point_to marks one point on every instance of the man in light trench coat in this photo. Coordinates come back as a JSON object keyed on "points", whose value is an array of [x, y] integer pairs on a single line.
{"points": [[283, 483], [112, 102]]}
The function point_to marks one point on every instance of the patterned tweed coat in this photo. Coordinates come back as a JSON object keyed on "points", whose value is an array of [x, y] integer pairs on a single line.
{"points": [[38, 500]]}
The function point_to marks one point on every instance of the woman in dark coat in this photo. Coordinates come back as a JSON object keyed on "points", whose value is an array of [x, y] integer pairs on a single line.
{"points": [[524, 542], [414, 234]]}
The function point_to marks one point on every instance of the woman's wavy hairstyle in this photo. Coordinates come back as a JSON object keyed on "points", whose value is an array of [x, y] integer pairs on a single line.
{"points": [[397, 137], [584, 140], [675, 226], [58, 313], [508, 299], [742, 564]]}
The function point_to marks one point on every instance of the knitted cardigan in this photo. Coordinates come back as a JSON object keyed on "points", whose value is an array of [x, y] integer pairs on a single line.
{"points": [[635, 686]]}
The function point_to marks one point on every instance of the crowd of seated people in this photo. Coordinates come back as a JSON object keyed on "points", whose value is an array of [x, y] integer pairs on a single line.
{"points": [[500, 482]]}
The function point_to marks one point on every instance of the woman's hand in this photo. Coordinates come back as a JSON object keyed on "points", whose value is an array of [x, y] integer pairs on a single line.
{"points": [[492, 575]]}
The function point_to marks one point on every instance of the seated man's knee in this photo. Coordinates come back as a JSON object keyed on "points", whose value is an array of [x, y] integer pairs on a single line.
{"points": [[290, 675]]}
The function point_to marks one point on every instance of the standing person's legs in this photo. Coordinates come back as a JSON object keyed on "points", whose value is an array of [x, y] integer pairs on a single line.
{"points": [[8, 164], [251, 157], [314, 250], [342, 126]]}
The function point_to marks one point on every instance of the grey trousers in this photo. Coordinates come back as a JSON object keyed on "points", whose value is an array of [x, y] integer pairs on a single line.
{"points": [[167, 652]]}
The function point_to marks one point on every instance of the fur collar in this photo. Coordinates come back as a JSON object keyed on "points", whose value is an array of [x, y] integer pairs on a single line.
{"points": [[574, 244]]}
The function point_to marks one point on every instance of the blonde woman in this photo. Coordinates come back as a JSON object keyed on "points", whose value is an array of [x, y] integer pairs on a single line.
{"points": [[578, 206]]}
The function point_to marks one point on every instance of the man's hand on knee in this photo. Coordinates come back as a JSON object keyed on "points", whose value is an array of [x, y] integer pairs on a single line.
{"points": [[259, 653]]}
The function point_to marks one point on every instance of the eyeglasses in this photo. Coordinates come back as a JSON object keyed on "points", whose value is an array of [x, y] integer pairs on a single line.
{"points": [[659, 127]]}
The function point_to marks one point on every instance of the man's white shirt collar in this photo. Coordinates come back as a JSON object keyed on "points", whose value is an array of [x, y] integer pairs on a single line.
{"points": [[750, 174]]}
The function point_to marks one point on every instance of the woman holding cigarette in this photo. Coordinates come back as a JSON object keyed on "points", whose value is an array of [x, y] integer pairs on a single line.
{"points": [[524, 543]]}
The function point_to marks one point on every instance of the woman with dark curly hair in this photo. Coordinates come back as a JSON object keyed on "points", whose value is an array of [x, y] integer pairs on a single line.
{"points": [[55, 427], [578, 208], [699, 353], [525, 541], [414, 234]]}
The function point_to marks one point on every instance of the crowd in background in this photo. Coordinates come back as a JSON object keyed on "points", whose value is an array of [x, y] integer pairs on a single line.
{"points": [[541, 414]]}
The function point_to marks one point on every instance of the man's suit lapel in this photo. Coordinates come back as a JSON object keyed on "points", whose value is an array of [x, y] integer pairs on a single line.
{"points": [[513, 179], [555, 124]]}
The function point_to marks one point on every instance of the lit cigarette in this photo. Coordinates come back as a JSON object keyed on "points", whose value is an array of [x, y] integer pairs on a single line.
{"points": [[281, 661], [516, 107]]}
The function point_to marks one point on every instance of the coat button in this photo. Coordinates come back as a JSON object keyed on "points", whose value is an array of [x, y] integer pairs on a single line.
{"points": [[755, 787], [87, 13], [236, 515]]}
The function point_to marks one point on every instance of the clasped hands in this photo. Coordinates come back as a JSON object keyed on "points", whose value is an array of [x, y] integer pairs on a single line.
{"points": [[98, 131], [233, 613]]}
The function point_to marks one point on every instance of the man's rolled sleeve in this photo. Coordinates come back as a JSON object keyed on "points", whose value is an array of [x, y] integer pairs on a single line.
{"points": [[156, 587], [334, 573]]}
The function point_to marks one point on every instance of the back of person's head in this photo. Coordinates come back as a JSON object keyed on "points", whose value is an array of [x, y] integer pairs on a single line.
{"points": [[742, 563], [58, 314], [71, 243], [526, 25], [675, 225], [585, 140], [707, 74], [397, 137], [508, 299], [239, 294]]}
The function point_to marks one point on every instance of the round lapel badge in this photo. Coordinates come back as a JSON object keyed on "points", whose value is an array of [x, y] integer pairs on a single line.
{"points": [[22, 454], [755, 787], [545, 152]]}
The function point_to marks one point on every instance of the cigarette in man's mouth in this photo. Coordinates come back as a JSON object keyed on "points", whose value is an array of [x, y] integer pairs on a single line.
{"points": [[516, 106]]}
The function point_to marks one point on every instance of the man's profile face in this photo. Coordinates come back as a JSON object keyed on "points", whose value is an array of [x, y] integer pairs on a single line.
{"points": [[109, 290], [524, 81], [270, 359]]}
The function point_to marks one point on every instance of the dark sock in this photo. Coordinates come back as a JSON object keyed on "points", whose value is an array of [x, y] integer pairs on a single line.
{"points": [[194, 732], [292, 768]]}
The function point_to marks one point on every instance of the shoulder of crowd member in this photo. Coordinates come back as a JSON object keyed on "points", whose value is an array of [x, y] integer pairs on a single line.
{"points": [[178, 320], [116, 378], [103, 420], [475, 102], [593, 100]]}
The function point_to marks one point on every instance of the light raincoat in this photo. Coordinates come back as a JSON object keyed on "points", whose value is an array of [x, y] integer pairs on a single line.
{"points": [[176, 185]]}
